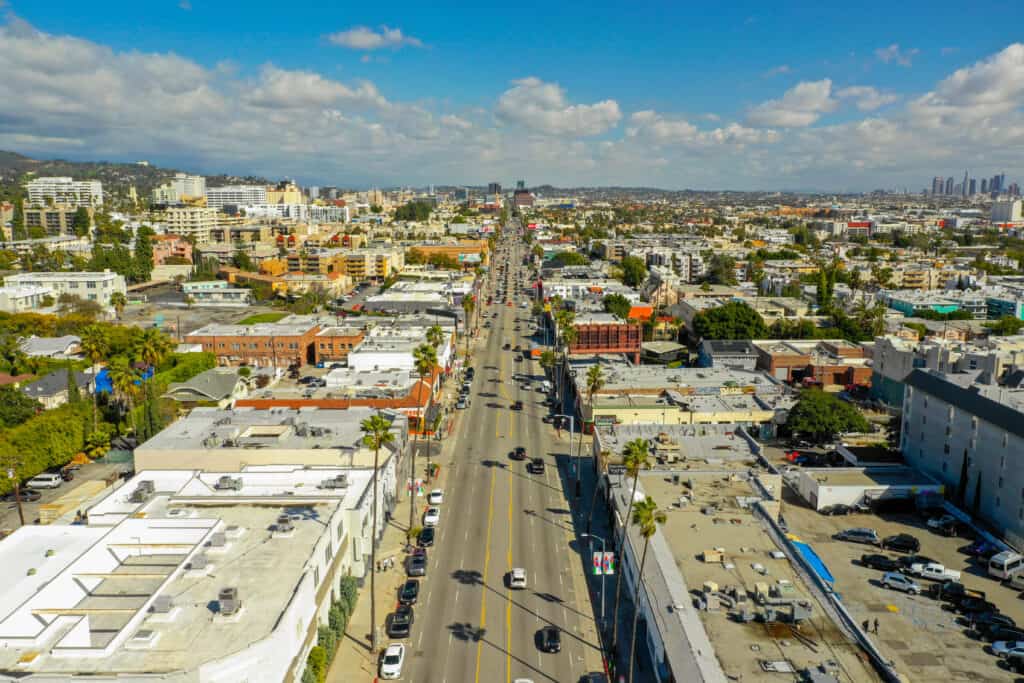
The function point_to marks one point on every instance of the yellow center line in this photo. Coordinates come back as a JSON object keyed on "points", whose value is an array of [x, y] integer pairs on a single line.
{"points": [[487, 563], [508, 594]]}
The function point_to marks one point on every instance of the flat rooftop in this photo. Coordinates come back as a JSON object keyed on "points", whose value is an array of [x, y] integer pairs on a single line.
{"points": [[621, 376], [869, 476], [258, 330], [716, 447]]}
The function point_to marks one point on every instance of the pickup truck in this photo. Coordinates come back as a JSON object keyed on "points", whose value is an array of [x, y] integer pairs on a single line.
{"points": [[934, 572], [954, 592]]}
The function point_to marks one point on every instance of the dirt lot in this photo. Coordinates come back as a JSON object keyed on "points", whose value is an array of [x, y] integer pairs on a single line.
{"points": [[924, 640]]}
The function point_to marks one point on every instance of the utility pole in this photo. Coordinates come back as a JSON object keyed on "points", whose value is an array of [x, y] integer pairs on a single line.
{"points": [[13, 476]]}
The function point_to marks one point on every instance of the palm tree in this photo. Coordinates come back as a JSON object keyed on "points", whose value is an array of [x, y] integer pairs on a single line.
{"points": [[569, 336], [648, 518], [595, 380], [426, 362], [635, 458], [152, 346], [468, 305], [122, 381], [376, 434], [95, 345], [118, 300], [435, 336]]}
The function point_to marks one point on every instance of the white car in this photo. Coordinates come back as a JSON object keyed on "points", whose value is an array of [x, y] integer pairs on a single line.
{"points": [[1003, 648], [431, 517], [47, 480], [391, 664], [899, 582], [435, 497], [517, 578], [940, 522]]}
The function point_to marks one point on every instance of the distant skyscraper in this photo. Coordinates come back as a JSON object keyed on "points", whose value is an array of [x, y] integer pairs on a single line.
{"points": [[494, 188], [963, 186], [937, 185], [520, 184], [314, 192], [984, 185], [973, 189], [949, 185]]}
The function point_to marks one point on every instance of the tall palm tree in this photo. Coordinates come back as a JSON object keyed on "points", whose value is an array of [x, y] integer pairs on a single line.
{"points": [[376, 434], [95, 345], [569, 336], [648, 518], [595, 381], [152, 346], [468, 304], [122, 381], [425, 356], [435, 336], [118, 300], [636, 456]]}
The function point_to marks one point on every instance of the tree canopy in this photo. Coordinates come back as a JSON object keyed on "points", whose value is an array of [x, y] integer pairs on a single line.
{"points": [[569, 258], [821, 416], [734, 320], [634, 271], [617, 305], [413, 211], [16, 407]]}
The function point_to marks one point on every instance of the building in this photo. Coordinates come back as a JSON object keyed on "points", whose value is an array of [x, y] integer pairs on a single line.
{"points": [[60, 348], [285, 192], [220, 386], [52, 389], [182, 189], [262, 345], [909, 302], [54, 220], [969, 436], [852, 486], [193, 222], [830, 362], [215, 293], [1007, 211], [235, 195], [171, 247], [23, 298], [64, 191], [90, 286], [469, 253], [725, 353], [600, 333], [333, 344]]}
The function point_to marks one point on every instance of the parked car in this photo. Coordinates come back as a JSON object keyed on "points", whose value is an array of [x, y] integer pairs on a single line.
{"points": [[976, 606], [837, 509], [881, 562], [860, 535], [400, 623], [947, 525], [902, 543], [550, 639], [953, 592], [908, 560], [432, 517], [899, 582], [934, 571], [1015, 663], [391, 662], [416, 565], [462, 403], [990, 622], [435, 497], [536, 466], [1001, 648], [426, 537], [1004, 633], [981, 548], [47, 480], [26, 495], [409, 593]]}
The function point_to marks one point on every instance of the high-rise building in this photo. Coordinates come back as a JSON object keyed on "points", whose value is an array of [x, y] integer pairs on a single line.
{"points": [[237, 195], [937, 185], [180, 189], [314, 192], [963, 186], [1013, 190], [65, 192], [494, 188], [520, 184], [984, 185], [973, 189], [1008, 211], [949, 185]]}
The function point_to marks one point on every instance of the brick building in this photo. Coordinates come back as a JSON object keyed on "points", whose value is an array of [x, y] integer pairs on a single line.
{"points": [[334, 343], [604, 333], [829, 362], [261, 345]]}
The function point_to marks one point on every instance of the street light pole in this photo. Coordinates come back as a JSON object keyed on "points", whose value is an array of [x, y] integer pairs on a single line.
{"points": [[13, 476], [572, 432], [590, 537]]}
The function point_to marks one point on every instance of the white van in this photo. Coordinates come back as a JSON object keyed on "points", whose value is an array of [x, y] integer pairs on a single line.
{"points": [[1005, 564], [1016, 581], [47, 480]]}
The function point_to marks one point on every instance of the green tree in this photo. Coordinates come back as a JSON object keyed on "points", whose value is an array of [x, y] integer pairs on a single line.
{"points": [[118, 300], [151, 346], [569, 258], [95, 345], [376, 434], [435, 336], [74, 394], [734, 320], [18, 230], [821, 416], [122, 381], [617, 305], [414, 211], [468, 306], [634, 271], [16, 407], [636, 457], [240, 259], [81, 222], [648, 518], [721, 270], [425, 356], [1005, 326]]}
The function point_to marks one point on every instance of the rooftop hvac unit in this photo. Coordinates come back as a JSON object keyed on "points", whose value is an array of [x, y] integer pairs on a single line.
{"points": [[146, 485], [284, 524], [228, 602], [162, 604], [218, 540], [227, 483], [338, 482], [199, 563]]}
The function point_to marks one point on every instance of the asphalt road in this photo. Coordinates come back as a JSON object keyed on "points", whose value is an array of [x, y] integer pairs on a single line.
{"points": [[469, 625]]}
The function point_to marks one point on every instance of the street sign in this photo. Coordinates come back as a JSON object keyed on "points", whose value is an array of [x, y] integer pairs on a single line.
{"points": [[597, 563], [608, 565]]}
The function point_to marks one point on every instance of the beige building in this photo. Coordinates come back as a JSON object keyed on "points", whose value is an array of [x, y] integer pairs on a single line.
{"points": [[192, 222], [285, 193]]}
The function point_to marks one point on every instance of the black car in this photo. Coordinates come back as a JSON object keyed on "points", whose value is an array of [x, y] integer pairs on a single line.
{"points": [[537, 466], [519, 453], [550, 638], [901, 543], [908, 560], [416, 565], [837, 509], [409, 592], [997, 633], [976, 606], [881, 562], [426, 537], [518, 405], [987, 621], [26, 495], [400, 623], [506, 346], [1014, 662]]}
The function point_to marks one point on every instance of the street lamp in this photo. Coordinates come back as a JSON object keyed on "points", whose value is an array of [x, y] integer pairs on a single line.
{"points": [[575, 465], [13, 476], [590, 537]]}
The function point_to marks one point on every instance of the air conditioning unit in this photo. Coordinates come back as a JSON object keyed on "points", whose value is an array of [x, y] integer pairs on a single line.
{"points": [[162, 604], [199, 563], [228, 602], [284, 524], [338, 482], [218, 540], [144, 490], [227, 483]]}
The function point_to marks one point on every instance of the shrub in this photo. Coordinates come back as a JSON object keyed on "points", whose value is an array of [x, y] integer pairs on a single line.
{"points": [[328, 640], [317, 663]]}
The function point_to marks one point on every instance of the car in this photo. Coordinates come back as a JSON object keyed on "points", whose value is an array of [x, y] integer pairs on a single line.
{"points": [[1003, 633], [947, 525], [409, 593], [908, 560], [26, 495], [882, 562], [1015, 662], [837, 509], [400, 623], [550, 638], [981, 548], [548, 419], [976, 606], [933, 571], [518, 405], [859, 535], [594, 677], [953, 592], [517, 578], [47, 480], [536, 466], [462, 403], [432, 517], [416, 565], [519, 453], [391, 662], [506, 346], [897, 581], [902, 543], [435, 497], [426, 537]]}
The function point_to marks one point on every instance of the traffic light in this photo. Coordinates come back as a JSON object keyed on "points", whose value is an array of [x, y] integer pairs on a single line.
{"points": [[609, 563], [597, 564]]}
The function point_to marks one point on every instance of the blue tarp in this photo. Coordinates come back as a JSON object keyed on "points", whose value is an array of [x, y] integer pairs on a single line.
{"points": [[812, 559], [103, 385]]}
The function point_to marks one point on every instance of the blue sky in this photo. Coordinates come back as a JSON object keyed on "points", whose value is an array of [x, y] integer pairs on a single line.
{"points": [[721, 95]]}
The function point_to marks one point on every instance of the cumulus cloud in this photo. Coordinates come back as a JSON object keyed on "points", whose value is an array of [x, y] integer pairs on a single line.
{"points": [[284, 89], [366, 38], [867, 98], [894, 54], [652, 127], [800, 106], [777, 70], [543, 108]]}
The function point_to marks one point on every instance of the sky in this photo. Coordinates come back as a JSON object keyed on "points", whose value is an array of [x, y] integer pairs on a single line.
{"points": [[742, 96]]}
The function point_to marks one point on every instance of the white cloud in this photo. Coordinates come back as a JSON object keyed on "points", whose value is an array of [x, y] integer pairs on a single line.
{"points": [[283, 89], [366, 38], [184, 4], [543, 108], [867, 98], [652, 127], [800, 106], [777, 70], [893, 53]]}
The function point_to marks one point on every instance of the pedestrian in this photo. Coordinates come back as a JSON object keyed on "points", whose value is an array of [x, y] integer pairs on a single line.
{"points": [[866, 626], [876, 626]]}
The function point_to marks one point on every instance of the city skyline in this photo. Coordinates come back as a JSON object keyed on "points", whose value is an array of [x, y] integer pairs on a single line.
{"points": [[400, 99]]}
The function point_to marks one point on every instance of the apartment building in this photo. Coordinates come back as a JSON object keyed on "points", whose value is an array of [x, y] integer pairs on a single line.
{"points": [[194, 222], [598, 333], [333, 344], [373, 264], [54, 220], [830, 362], [250, 233], [261, 345], [285, 192], [235, 195], [24, 298], [92, 286], [969, 436], [181, 188], [170, 246], [64, 191]]}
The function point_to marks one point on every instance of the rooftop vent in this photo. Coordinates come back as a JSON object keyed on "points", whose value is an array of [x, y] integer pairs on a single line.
{"points": [[284, 524], [338, 482], [227, 483], [218, 540], [199, 563], [228, 602], [143, 492], [162, 604]]}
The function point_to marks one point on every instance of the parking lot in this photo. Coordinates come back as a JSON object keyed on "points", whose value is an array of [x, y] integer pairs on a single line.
{"points": [[92, 471], [922, 636]]}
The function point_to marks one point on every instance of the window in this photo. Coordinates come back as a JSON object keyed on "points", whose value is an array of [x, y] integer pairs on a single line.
{"points": [[316, 576], [236, 347], [974, 423], [1000, 482], [90, 285], [924, 419]]}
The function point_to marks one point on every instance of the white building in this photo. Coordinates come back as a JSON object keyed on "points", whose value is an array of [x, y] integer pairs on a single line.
{"points": [[1007, 211], [235, 195], [191, 221], [66, 191], [300, 212], [90, 286], [18, 299], [180, 188]]}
